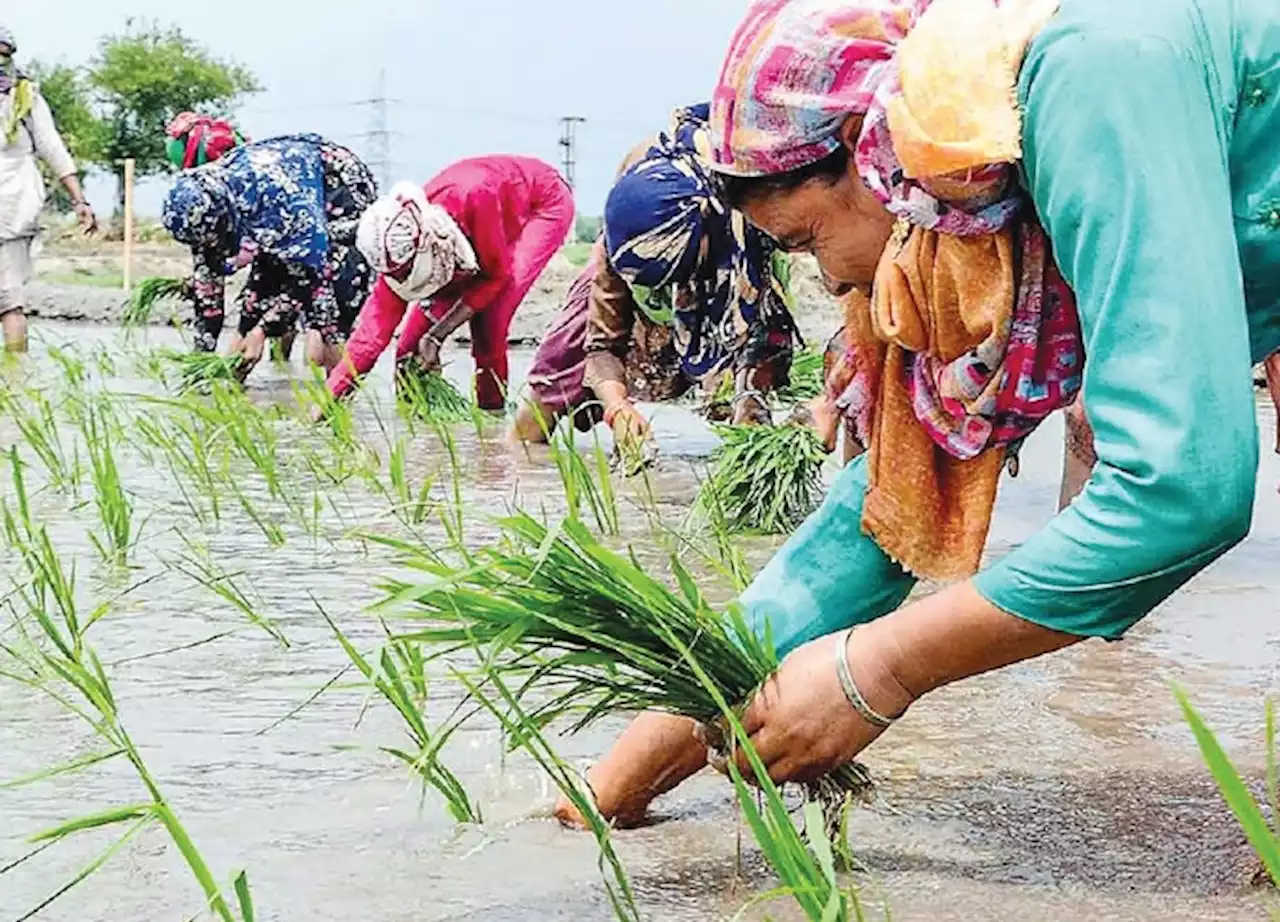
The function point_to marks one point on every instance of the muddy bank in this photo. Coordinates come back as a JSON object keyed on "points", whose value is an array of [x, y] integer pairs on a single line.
{"points": [[69, 286]]}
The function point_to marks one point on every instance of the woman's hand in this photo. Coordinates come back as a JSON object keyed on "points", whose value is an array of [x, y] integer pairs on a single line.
{"points": [[253, 346], [429, 353], [88, 220], [801, 723], [820, 416]]}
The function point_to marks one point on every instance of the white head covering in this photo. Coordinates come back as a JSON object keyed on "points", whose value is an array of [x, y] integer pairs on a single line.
{"points": [[402, 229], [6, 38]]}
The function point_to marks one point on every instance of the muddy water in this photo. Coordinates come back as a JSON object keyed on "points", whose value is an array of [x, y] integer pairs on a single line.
{"points": [[1063, 789]]}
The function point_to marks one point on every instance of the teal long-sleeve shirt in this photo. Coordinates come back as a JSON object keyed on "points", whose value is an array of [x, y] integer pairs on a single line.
{"points": [[1152, 153]]}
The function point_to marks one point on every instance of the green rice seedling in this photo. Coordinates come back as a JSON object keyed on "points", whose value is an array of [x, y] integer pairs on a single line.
{"points": [[765, 480], [114, 504], [149, 292], [1264, 838], [582, 486], [250, 431], [34, 416], [804, 861], [197, 371], [522, 731], [807, 377], [53, 656], [585, 628], [432, 398], [400, 677], [75, 372], [185, 446], [411, 506], [199, 566]]}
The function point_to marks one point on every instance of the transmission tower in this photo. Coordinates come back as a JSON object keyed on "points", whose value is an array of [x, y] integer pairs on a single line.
{"points": [[569, 147], [378, 137]]}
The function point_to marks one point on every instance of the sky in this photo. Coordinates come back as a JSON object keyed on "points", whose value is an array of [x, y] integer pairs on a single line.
{"points": [[465, 78]]}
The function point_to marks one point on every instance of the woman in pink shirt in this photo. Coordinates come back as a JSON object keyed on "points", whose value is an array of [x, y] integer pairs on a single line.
{"points": [[466, 248]]}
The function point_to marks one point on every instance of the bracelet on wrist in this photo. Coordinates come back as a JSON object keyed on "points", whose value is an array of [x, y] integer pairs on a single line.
{"points": [[851, 691]]}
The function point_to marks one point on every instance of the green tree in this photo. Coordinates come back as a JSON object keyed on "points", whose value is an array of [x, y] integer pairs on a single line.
{"points": [[588, 228], [145, 76]]}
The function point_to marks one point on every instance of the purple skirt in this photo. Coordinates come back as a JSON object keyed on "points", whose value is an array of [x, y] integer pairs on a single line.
{"points": [[560, 364]]}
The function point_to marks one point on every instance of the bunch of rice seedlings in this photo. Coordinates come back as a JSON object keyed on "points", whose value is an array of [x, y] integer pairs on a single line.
{"points": [[804, 862], [582, 485], [430, 396], [766, 479], [147, 294], [198, 370], [586, 629], [807, 377]]}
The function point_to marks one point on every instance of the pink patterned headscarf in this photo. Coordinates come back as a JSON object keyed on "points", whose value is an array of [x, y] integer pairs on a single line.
{"points": [[794, 71]]}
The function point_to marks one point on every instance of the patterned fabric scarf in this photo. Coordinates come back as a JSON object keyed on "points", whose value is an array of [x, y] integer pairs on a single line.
{"points": [[404, 235], [798, 68], [271, 193], [692, 263], [15, 84]]}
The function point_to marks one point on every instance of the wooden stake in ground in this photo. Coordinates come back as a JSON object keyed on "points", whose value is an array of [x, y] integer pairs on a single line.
{"points": [[128, 225]]}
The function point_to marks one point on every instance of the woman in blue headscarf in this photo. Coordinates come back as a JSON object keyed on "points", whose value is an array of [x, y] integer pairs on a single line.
{"points": [[290, 206], [679, 290]]}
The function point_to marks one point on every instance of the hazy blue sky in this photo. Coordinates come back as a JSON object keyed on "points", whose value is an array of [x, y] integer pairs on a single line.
{"points": [[471, 77]]}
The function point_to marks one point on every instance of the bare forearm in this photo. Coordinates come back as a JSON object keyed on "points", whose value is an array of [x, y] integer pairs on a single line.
{"points": [[71, 183], [1273, 385], [606, 376], [954, 635], [449, 323]]}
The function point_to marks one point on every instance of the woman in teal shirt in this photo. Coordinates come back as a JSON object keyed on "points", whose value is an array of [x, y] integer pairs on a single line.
{"points": [[1148, 150]]}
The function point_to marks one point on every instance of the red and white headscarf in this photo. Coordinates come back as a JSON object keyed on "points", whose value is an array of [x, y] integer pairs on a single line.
{"points": [[404, 231]]}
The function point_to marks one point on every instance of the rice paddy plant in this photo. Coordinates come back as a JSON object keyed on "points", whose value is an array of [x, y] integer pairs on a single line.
{"points": [[1262, 836], [250, 431], [37, 422], [400, 677], [766, 480], [586, 629], [523, 732], [197, 371], [412, 506], [147, 294], [75, 371], [54, 657], [199, 566], [805, 862], [187, 449], [113, 502], [432, 398], [807, 377], [582, 485]]}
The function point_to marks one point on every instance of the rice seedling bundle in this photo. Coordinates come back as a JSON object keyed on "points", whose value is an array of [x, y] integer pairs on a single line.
{"points": [[198, 370], [147, 294], [765, 480], [433, 397], [807, 377], [585, 630]]}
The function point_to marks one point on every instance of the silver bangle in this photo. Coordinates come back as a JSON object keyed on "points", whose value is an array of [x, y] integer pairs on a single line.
{"points": [[865, 711], [749, 394]]}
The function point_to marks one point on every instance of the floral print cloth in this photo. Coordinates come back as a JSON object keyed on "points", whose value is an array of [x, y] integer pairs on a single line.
{"points": [[691, 262], [296, 200]]}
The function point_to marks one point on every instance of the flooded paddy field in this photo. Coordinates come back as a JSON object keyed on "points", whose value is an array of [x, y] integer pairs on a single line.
{"points": [[1063, 789]]}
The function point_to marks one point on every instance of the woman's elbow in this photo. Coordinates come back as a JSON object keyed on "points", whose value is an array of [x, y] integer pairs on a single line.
{"points": [[1224, 508]]}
